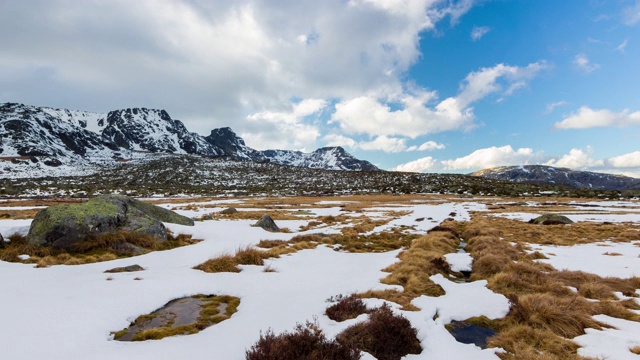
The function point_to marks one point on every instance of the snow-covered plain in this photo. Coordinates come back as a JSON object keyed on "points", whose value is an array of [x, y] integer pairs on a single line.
{"points": [[68, 312]]}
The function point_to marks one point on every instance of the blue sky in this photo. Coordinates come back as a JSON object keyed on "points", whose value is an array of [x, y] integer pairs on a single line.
{"points": [[424, 85]]}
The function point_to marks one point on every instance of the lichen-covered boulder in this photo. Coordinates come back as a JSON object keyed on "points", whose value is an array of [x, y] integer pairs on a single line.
{"points": [[551, 219], [267, 223], [63, 226]]}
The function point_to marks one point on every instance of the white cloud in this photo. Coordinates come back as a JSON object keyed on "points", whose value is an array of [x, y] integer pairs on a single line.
{"points": [[631, 160], [420, 165], [577, 159], [552, 106], [491, 157], [622, 46], [339, 140], [631, 14], [586, 118], [582, 63], [286, 129], [427, 146], [374, 116], [385, 143], [211, 63], [478, 32]]}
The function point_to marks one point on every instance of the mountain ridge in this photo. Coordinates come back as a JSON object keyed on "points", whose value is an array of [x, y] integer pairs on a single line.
{"points": [[549, 175], [68, 137]]}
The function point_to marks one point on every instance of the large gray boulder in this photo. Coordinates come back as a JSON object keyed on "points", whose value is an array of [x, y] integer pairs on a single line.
{"points": [[64, 226], [551, 219], [267, 223]]}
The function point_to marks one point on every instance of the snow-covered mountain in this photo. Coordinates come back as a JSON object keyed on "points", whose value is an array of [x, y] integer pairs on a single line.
{"points": [[29, 134], [548, 175]]}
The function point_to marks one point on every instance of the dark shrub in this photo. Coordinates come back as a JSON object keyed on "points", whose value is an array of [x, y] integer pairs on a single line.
{"points": [[347, 308], [305, 343], [385, 335]]}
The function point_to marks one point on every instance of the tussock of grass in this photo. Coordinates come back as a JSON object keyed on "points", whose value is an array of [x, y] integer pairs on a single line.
{"points": [[221, 263], [243, 256], [544, 311], [347, 307], [635, 350], [306, 342], [385, 335], [523, 342], [417, 264]]}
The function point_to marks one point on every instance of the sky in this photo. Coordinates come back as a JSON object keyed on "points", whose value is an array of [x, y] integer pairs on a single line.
{"points": [[425, 86]]}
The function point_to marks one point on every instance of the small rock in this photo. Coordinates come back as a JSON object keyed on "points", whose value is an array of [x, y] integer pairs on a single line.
{"points": [[53, 162], [2, 242], [267, 223], [206, 217], [551, 219], [130, 268], [229, 211]]}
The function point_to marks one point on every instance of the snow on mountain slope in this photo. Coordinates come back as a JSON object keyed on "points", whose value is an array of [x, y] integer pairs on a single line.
{"points": [[153, 130], [330, 158], [33, 140], [91, 121], [30, 131]]}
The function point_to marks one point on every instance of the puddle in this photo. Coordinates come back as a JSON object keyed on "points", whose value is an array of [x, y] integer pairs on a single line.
{"points": [[471, 334], [183, 316]]}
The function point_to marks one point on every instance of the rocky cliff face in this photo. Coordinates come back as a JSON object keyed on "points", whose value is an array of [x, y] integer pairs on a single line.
{"points": [[548, 175], [154, 131], [32, 131], [69, 137]]}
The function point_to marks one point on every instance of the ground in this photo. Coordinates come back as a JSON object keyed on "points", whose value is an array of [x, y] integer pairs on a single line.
{"points": [[62, 312]]}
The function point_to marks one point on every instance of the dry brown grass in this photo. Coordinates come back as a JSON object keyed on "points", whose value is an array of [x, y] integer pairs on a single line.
{"points": [[100, 248], [424, 258], [635, 350], [544, 311]]}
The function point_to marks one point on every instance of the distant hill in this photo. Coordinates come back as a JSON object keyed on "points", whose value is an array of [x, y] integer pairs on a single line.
{"points": [[549, 175]]}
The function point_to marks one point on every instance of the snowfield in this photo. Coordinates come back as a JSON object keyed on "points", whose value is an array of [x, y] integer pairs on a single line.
{"points": [[69, 312]]}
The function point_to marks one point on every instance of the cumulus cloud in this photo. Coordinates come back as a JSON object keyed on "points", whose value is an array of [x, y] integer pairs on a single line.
{"points": [[491, 157], [384, 143], [289, 127], [577, 159], [631, 160], [415, 116], [420, 165], [478, 32], [427, 146], [586, 118], [211, 63], [582, 63]]}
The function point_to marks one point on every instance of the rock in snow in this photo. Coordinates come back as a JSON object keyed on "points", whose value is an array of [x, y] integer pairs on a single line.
{"points": [[64, 226]]}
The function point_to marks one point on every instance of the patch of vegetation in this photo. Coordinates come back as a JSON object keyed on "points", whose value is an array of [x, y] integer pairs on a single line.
{"points": [[544, 311], [306, 342], [347, 307], [229, 263], [424, 258], [104, 247], [385, 335]]}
